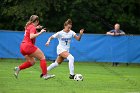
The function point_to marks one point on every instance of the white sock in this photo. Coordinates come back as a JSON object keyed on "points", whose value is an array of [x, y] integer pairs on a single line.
{"points": [[71, 64], [51, 66]]}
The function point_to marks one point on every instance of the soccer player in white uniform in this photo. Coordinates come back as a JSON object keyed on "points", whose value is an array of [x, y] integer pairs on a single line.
{"points": [[64, 36]]}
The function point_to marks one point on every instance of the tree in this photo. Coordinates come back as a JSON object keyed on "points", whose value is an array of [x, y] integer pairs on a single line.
{"points": [[95, 16]]}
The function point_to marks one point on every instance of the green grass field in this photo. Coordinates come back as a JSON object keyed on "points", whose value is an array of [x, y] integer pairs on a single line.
{"points": [[98, 78]]}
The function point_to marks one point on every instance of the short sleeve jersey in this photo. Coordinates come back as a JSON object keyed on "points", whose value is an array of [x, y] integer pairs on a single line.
{"points": [[30, 29], [64, 38]]}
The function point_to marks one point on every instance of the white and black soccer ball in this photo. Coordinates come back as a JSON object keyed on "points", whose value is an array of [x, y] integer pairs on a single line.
{"points": [[78, 77]]}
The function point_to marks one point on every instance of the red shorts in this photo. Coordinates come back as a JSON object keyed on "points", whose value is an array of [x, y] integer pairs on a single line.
{"points": [[27, 49]]}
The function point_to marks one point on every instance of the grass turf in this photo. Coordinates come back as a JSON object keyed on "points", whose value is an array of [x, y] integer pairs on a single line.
{"points": [[98, 78]]}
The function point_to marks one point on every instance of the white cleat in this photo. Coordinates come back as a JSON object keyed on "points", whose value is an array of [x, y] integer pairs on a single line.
{"points": [[48, 76], [16, 69]]}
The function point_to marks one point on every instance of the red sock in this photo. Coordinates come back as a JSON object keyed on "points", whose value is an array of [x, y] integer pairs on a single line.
{"points": [[25, 65], [43, 66]]}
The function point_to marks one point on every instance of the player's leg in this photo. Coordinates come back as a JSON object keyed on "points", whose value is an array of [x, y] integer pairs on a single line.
{"points": [[67, 55], [40, 55], [58, 61], [29, 62]]}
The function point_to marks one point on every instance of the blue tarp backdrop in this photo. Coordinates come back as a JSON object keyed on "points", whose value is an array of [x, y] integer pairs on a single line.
{"points": [[92, 47]]}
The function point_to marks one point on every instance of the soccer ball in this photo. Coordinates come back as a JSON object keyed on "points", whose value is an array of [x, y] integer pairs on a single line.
{"points": [[78, 77]]}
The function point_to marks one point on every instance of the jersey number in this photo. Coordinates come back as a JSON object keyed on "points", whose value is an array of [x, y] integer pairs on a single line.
{"points": [[66, 42]]}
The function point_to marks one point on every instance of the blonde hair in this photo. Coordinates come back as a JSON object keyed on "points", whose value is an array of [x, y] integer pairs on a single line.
{"points": [[32, 19], [68, 22]]}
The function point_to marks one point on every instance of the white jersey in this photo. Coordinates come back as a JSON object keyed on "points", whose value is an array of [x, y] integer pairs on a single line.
{"points": [[64, 39]]}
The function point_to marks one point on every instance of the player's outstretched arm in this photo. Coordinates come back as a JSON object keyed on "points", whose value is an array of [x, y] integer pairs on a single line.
{"points": [[80, 35], [49, 40], [39, 27], [37, 34]]}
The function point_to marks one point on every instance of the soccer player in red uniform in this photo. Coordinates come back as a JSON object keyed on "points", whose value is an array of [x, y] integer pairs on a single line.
{"points": [[29, 50]]}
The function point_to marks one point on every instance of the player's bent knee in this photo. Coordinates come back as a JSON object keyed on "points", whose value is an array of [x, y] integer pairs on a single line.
{"points": [[70, 57], [32, 62], [42, 57]]}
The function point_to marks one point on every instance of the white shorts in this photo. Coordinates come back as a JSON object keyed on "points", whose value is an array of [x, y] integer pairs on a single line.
{"points": [[60, 50]]}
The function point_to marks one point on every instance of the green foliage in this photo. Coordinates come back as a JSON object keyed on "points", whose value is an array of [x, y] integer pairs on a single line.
{"points": [[96, 16]]}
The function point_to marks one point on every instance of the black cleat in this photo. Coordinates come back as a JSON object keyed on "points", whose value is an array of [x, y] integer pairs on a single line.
{"points": [[41, 75], [71, 76]]}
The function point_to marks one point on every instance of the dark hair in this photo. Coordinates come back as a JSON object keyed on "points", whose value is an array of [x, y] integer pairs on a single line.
{"points": [[68, 22], [32, 19]]}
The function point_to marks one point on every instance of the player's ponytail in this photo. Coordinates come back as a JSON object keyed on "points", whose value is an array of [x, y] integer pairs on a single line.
{"points": [[32, 19], [68, 22]]}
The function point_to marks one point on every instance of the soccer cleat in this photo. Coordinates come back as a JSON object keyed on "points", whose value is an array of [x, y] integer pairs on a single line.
{"points": [[71, 76], [41, 75], [16, 69], [48, 76]]}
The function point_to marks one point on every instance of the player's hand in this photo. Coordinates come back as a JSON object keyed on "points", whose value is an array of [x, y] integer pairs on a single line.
{"points": [[43, 30], [39, 27], [47, 43], [81, 31]]}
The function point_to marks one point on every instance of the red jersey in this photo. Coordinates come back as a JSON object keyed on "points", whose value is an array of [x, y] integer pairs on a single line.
{"points": [[30, 29]]}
